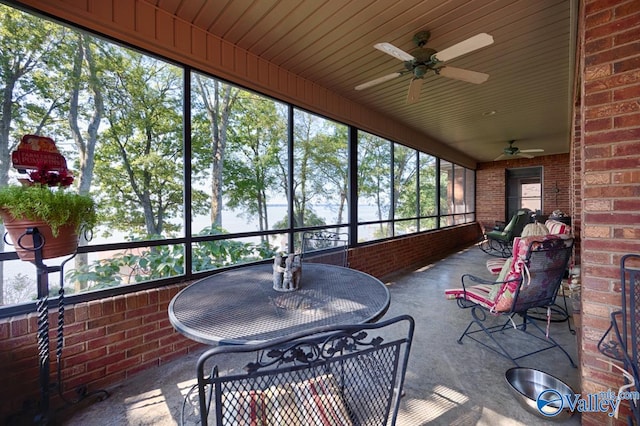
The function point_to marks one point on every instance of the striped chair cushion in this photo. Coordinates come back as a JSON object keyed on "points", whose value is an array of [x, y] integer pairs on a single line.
{"points": [[482, 294], [495, 265], [315, 401], [556, 227]]}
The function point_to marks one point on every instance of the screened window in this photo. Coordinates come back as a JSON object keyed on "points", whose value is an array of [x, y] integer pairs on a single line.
{"points": [[193, 174]]}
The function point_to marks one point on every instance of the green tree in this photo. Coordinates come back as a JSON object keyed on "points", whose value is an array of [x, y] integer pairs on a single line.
{"points": [[27, 44], [217, 100], [404, 185], [374, 176], [139, 174], [255, 139]]}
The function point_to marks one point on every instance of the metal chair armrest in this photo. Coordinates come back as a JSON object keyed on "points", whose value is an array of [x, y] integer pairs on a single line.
{"points": [[615, 349]]}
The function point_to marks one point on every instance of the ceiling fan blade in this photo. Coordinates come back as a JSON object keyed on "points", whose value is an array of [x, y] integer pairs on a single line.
{"points": [[463, 75], [378, 80], [396, 52], [532, 150], [469, 45], [500, 157], [414, 90]]}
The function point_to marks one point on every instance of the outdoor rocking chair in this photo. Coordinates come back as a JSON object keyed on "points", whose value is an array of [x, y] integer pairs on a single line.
{"points": [[325, 246], [330, 375], [498, 241], [531, 280]]}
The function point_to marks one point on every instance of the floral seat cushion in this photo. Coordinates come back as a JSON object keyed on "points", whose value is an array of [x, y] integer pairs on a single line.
{"points": [[499, 297]]}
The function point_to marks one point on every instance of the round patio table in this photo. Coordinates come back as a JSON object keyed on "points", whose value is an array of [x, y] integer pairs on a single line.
{"points": [[240, 306]]}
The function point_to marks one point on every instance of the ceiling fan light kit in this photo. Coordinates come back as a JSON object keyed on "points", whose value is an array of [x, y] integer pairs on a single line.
{"points": [[424, 59]]}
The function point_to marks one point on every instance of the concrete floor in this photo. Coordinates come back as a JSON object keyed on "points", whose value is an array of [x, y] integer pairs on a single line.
{"points": [[447, 383]]}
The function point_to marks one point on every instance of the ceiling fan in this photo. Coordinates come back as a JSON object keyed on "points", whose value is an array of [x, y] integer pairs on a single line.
{"points": [[514, 151], [424, 59]]}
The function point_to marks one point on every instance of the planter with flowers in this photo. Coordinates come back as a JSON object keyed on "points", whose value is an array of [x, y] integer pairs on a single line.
{"points": [[44, 201]]}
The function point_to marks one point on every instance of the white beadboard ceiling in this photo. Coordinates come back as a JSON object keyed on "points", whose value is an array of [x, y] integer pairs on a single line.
{"points": [[527, 97]]}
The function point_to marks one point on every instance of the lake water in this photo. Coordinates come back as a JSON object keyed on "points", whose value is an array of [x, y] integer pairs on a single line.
{"points": [[233, 221]]}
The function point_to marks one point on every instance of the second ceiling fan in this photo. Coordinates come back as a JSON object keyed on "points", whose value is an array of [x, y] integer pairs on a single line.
{"points": [[514, 151], [423, 59]]}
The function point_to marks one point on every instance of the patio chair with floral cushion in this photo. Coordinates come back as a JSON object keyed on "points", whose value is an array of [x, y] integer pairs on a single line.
{"points": [[530, 279], [328, 375], [498, 241]]}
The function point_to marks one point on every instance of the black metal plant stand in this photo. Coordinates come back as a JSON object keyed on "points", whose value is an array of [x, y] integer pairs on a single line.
{"points": [[42, 307]]}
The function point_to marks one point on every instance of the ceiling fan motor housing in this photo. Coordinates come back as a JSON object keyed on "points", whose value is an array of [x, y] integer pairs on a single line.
{"points": [[422, 62], [510, 150]]}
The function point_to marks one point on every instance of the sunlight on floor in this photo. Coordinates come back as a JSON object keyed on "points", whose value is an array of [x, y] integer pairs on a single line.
{"points": [[145, 399], [416, 412]]}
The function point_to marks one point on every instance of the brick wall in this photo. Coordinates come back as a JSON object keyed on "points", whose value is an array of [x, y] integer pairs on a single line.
{"points": [[403, 253], [490, 201], [610, 161], [111, 339], [106, 341]]}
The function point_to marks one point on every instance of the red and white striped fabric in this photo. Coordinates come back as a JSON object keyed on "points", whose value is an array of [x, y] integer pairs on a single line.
{"points": [[556, 227]]}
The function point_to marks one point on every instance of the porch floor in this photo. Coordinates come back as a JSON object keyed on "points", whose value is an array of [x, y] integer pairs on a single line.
{"points": [[446, 382]]}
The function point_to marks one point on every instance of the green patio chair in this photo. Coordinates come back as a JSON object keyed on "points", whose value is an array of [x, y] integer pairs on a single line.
{"points": [[498, 241]]}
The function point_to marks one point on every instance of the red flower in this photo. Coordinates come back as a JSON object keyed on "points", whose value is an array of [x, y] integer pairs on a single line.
{"points": [[43, 176]]}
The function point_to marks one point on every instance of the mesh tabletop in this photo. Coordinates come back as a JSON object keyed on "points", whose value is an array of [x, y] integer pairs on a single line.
{"points": [[240, 306]]}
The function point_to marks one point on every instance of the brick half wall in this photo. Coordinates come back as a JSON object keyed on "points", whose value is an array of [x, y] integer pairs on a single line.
{"points": [[109, 340]]}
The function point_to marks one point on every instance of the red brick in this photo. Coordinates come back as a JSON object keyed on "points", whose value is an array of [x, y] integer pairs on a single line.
{"points": [[141, 330], [119, 304], [19, 327], [122, 326], [610, 81], [627, 65], [598, 98], [613, 136], [106, 340], [85, 336], [616, 53], [104, 321], [629, 148], [628, 176], [599, 18], [105, 361], [598, 124], [627, 233], [95, 309], [627, 8], [81, 311], [612, 164], [630, 120], [123, 365], [627, 205], [612, 27], [84, 357], [142, 311]]}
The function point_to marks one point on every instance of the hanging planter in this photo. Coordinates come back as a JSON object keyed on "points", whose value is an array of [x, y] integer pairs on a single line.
{"points": [[42, 202], [58, 214], [64, 244]]}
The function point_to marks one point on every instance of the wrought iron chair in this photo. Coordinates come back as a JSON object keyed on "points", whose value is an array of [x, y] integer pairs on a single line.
{"points": [[325, 247], [498, 241], [623, 344], [530, 280], [331, 375]]}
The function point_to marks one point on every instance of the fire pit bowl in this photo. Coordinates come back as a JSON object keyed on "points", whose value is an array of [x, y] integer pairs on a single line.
{"points": [[540, 393]]}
